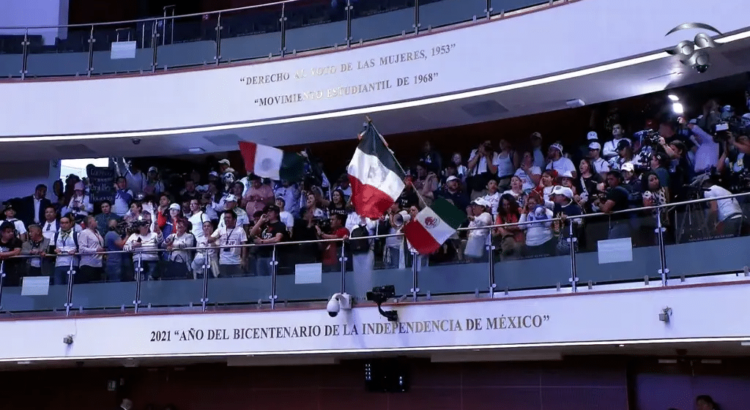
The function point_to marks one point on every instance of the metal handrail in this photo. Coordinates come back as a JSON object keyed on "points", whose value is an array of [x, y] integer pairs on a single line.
{"points": [[383, 236], [151, 19]]}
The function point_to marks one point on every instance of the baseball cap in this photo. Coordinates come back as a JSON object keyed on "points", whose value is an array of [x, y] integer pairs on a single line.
{"points": [[562, 190], [8, 206], [627, 167], [176, 207], [230, 198], [592, 135], [271, 207], [557, 147], [566, 174], [225, 162], [451, 178], [213, 174], [595, 145], [622, 144], [480, 202], [536, 135], [153, 169]]}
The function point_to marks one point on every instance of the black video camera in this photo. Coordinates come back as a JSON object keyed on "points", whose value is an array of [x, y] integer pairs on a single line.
{"points": [[381, 294]]}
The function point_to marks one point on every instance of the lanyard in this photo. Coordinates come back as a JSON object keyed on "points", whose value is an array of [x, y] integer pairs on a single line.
{"points": [[229, 235]]}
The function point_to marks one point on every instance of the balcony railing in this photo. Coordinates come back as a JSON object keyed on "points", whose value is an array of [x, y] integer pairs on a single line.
{"points": [[665, 244], [268, 31]]}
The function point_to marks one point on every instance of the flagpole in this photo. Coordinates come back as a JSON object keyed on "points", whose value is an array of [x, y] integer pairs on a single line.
{"points": [[369, 122]]}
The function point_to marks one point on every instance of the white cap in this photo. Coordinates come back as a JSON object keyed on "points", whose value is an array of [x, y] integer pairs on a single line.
{"points": [[481, 202], [451, 178], [627, 167], [176, 207], [230, 198], [595, 145], [566, 174], [224, 161], [557, 147], [592, 135], [562, 190], [153, 169]]}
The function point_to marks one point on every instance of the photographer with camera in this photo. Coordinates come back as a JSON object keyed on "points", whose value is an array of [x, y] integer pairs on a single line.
{"points": [[707, 155], [732, 165]]}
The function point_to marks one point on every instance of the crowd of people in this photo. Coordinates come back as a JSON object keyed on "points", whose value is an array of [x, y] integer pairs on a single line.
{"points": [[524, 196]]}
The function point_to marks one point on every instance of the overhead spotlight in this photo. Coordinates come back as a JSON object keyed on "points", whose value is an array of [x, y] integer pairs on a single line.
{"points": [[381, 294], [338, 302], [673, 97], [677, 108]]}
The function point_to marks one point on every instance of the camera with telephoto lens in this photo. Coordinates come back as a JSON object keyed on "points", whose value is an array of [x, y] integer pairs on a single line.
{"points": [[647, 137]]}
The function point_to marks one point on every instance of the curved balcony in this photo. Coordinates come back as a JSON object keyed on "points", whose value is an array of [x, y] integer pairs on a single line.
{"points": [[264, 32], [673, 246]]}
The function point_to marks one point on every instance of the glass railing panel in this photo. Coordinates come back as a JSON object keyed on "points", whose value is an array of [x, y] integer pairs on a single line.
{"points": [[58, 52], [250, 34], [167, 279], [314, 25], [500, 6], [530, 256], [34, 285], [622, 247], [230, 283], [373, 21], [310, 271], [11, 55], [698, 243], [187, 42], [447, 12], [110, 287], [122, 49]]}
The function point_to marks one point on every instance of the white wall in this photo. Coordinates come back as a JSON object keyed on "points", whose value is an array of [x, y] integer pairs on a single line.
{"points": [[30, 13], [579, 34]]}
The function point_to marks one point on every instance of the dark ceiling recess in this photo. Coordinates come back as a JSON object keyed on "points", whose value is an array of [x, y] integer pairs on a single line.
{"points": [[484, 108]]}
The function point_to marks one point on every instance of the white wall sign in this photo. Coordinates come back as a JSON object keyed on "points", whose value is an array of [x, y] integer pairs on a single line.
{"points": [[617, 317], [579, 34]]}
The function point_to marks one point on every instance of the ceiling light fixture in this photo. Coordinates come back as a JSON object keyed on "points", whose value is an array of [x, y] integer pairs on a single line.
{"points": [[673, 97], [371, 110], [677, 108], [196, 150]]}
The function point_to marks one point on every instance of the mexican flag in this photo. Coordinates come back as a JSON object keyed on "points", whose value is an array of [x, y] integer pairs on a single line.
{"points": [[273, 163], [375, 176], [433, 226]]}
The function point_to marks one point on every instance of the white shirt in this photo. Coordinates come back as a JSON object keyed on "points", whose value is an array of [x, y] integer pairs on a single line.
{"points": [[37, 205], [197, 220], [528, 183], [287, 219], [230, 237], [65, 243], [20, 227], [537, 233], [707, 154], [187, 240], [121, 206], [484, 219], [149, 242], [726, 207], [505, 165], [88, 244], [481, 166], [494, 201], [562, 166], [601, 165]]}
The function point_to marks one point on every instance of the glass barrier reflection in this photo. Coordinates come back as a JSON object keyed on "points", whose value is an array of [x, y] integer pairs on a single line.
{"points": [[252, 33]]}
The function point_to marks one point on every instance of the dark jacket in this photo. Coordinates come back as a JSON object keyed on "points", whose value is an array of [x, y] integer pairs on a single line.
{"points": [[25, 210]]}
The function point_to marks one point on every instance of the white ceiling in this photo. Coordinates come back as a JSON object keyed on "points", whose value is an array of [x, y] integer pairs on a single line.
{"points": [[666, 73]]}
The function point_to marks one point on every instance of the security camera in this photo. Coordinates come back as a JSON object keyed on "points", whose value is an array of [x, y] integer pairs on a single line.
{"points": [[702, 68], [665, 314], [338, 302], [136, 141], [68, 340]]}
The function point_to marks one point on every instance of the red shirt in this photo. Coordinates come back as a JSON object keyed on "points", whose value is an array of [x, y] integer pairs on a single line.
{"points": [[331, 254]]}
